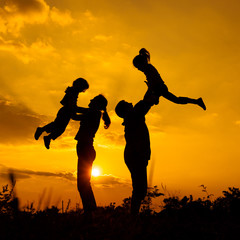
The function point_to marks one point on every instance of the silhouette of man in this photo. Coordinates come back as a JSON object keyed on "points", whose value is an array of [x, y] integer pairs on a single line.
{"points": [[137, 150]]}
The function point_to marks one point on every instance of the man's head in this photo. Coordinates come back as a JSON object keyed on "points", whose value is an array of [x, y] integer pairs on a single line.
{"points": [[123, 108]]}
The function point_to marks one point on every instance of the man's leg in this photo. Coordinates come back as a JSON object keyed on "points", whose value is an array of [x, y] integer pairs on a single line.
{"points": [[139, 183]]}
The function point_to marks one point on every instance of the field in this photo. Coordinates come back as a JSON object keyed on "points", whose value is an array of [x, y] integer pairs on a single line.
{"points": [[180, 218]]}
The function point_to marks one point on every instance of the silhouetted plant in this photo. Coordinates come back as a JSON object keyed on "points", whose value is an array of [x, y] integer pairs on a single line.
{"points": [[127, 203], [186, 206], [29, 208], [52, 211], [204, 189], [111, 207], [8, 201], [146, 207], [153, 192], [230, 203], [5, 200], [181, 218]]}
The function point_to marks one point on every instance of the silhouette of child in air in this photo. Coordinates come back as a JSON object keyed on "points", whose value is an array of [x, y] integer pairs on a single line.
{"points": [[156, 85], [69, 109]]}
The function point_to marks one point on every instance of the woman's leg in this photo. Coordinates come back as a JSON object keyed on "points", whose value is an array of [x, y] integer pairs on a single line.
{"points": [[85, 161], [183, 100]]}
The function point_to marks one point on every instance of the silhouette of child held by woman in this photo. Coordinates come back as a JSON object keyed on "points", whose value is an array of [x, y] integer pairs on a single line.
{"points": [[156, 85], [69, 109]]}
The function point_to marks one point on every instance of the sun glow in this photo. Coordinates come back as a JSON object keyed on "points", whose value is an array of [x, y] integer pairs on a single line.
{"points": [[95, 172]]}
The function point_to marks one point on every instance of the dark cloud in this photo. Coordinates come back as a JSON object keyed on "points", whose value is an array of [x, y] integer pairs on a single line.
{"points": [[65, 175], [5, 176], [104, 181], [25, 173], [14, 14], [17, 123], [26, 7]]}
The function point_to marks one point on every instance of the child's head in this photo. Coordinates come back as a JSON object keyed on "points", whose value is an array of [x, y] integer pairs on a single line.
{"points": [[123, 108], [81, 84], [141, 60], [100, 103]]}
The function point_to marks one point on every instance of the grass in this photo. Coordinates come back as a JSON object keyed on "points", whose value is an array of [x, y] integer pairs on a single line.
{"points": [[180, 218]]}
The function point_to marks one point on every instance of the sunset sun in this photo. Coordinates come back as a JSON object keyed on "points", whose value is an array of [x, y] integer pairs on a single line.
{"points": [[95, 172]]}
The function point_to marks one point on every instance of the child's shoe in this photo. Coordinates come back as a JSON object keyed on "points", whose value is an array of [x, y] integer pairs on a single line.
{"points": [[47, 141], [201, 104], [38, 133]]}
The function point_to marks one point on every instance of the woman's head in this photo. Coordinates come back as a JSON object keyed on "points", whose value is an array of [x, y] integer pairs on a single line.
{"points": [[141, 60], [100, 103], [81, 84]]}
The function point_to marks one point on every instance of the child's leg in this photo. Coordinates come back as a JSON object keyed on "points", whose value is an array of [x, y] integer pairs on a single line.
{"points": [[47, 140], [47, 128], [55, 133], [38, 133], [184, 100], [151, 97]]}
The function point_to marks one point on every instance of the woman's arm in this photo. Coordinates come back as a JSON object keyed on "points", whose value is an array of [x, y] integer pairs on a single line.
{"points": [[82, 110], [77, 117]]}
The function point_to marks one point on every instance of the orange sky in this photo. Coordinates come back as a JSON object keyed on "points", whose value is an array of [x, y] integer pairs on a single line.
{"points": [[46, 44]]}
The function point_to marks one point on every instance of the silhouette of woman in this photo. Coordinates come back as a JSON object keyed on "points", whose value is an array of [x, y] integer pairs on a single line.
{"points": [[156, 85], [89, 124]]}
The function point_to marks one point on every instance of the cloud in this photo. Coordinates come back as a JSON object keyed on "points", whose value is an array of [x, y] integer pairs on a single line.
{"points": [[5, 176], [37, 50], [110, 139], [88, 14], [101, 37], [108, 181], [25, 173], [237, 122], [25, 7], [17, 123], [62, 18], [154, 122], [15, 14], [104, 181]]}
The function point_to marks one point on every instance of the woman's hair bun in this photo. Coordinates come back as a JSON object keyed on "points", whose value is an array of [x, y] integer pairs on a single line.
{"points": [[144, 52]]}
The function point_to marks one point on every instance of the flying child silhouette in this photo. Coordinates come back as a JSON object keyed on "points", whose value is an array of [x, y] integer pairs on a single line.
{"points": [[156, 85], [69, 109]]}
